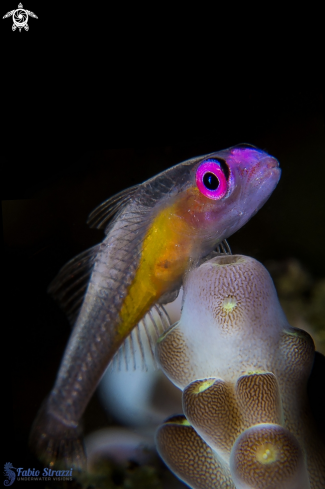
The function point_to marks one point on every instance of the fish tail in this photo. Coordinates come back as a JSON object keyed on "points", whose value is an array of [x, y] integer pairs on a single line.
{"points": [[56, 443]]}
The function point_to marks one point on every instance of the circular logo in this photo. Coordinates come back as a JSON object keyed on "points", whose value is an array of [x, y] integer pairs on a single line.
{"points": [[20, 18]]}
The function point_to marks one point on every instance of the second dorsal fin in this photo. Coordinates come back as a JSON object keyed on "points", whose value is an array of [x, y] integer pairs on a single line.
{"points": [[69, 286]]}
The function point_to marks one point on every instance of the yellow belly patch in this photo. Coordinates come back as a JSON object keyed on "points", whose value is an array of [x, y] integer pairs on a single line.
{"points": [[164, 259]]}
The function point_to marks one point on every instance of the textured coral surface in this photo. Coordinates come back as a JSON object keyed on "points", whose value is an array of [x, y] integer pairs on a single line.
{"points": [[243, 371]]}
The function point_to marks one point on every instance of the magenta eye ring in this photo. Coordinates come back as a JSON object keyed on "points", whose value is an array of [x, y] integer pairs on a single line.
{"points": [[211, 180]]}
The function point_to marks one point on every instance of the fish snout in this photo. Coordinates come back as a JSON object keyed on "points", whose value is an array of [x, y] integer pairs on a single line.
{"points": [[267, 167], [271, 162]]}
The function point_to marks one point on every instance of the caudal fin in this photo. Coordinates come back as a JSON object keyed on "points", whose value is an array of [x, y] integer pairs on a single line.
{"points": [[56, 444]]}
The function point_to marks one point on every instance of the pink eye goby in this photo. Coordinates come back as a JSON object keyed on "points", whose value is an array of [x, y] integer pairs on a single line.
{"points": [[211, 180]]}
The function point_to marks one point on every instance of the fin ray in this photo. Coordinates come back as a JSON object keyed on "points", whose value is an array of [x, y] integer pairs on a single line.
{"points": [[70, 285], [137, 351], [101, 215], [140, 343], [149, 338]]}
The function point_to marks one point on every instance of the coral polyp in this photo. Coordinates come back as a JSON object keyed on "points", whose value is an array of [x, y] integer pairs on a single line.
{"points": [[268, 456], [243, 371]]}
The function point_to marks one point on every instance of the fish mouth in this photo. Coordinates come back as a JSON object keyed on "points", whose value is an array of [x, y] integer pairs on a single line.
{"points": [[262, 180], [266, 169], [271, 163], [273, 172]]}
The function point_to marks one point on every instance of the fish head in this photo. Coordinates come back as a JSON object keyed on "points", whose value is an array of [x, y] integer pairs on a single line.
{"points": [[224, 190]]}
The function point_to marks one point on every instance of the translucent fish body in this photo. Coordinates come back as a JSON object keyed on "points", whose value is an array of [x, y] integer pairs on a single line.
{"points": [[155, 233]]}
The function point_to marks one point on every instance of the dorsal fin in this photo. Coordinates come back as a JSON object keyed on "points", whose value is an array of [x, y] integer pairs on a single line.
{"points": [[138, 349], [69, 286], [100, 216]]}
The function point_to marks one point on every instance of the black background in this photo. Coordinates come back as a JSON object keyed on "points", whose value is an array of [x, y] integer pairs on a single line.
{"points": [[92, 106]]}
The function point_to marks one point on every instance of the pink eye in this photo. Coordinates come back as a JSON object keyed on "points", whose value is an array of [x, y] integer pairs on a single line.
{"points": [[211, 179]]}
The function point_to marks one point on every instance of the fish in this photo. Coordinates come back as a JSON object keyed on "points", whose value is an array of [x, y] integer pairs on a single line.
{"points": [[155, 233]]}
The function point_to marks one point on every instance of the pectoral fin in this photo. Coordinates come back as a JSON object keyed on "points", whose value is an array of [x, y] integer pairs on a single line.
{"points": [[137, 350]]}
